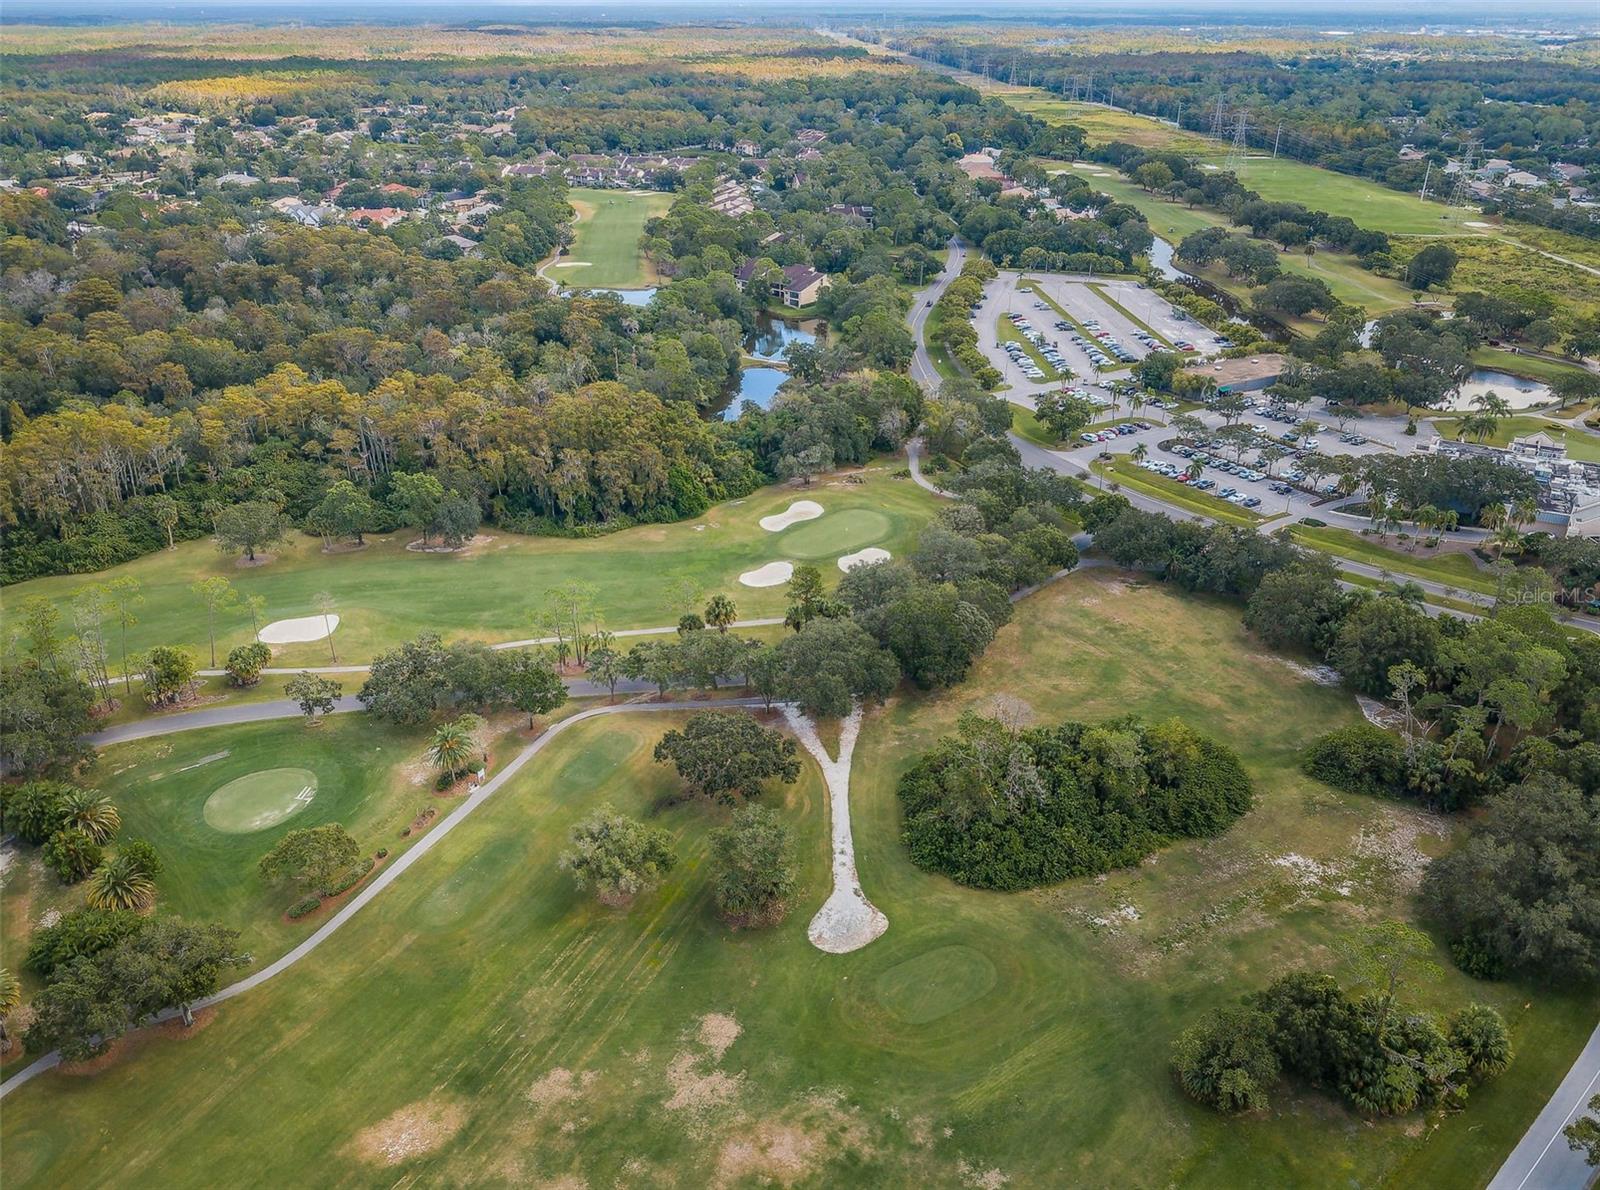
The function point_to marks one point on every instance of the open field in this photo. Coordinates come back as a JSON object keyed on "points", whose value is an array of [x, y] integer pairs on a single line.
{"points": [[1104, 124], [1519, 363], [1443, 567], [385, 594], [605, 250], [368, 776], [1579, 444], [1341, 272], [545, 1038], [1502, 264], [1368, 203]]}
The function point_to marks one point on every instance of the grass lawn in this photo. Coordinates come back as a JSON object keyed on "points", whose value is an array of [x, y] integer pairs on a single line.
{"points": [[943, 363], [1025, 425], [1130, 474], [1104, 124], [605, 250], [385, 594], [1519, 364], [482, 1023], [1453, 568], [1494, 265], [368, 777], [1579, 444], [1368, 203], [1341, 272]]}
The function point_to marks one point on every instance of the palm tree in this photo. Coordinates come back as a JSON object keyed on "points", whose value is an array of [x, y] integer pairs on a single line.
{"points": [[1492, 516], [1492, 404], [1139, 452], [119, 883], [1525, 511], [720, 612], [94, 815], [10, 998], [1506, 537], [1405, 591], [452, 747]]}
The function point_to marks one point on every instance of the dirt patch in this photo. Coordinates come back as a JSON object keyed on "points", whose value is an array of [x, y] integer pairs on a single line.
{"points": [[695, 1090], [718, 1031], [980, 1179], [466, 547], [175, 1028], [792, 1148], [1378, 714], [258, 560], [1391, 843], [413, 1131], [558, 1086], [344, 547], [1322, 675], [420, 822]]}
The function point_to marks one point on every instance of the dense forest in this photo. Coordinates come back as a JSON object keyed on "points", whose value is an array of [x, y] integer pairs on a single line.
{"points": [[167, 359]]}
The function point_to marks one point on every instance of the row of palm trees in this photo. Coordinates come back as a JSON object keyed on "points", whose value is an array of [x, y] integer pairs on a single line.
{"points": [[1489, 409]]}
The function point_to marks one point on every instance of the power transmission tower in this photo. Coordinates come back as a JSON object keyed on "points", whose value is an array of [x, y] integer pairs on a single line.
{"points": [[1237, 150], [1426, 174], [1217, 120], [1461, 193], [1276, 139], [1179, 120]]}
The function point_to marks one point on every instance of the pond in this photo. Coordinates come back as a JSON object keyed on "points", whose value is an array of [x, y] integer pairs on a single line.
{"points": [[632, 297], [1161, 260], [1519, 392], [756, 385], [774, 335]]}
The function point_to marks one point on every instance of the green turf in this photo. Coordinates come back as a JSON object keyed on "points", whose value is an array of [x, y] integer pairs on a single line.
{"points": [[369, 778], [258, 800], [385, 594], [1368, 203], [1580, 445], [1342, 273], [936, 983], [1026, 425], [1454, 568], [833, 534], [559, 1040], [1519, 363], [606, 238]]}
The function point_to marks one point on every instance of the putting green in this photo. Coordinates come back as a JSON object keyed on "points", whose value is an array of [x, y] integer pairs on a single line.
{"points": [[259, 800], [835, 533], [935, 983]]}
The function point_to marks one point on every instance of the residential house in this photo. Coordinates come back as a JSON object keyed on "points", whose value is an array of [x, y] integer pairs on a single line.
{"points": [[798, 284]]}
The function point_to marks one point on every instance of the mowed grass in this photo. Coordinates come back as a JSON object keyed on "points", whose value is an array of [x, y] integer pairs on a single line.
{"points": [[1580, 445], [605, 248], [386, 594], [1343, 274], [369, 777], [483, 1023], [1369, 204], [1455, 569], [1104, 124], [1519, 363]]}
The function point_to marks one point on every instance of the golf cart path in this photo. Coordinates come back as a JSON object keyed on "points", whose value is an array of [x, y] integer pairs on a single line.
{"points": [[529, 643], [847, 920], [392, 872]]}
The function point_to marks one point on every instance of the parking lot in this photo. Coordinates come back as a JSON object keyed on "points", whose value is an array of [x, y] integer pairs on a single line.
{"points": [[1093, 339]]}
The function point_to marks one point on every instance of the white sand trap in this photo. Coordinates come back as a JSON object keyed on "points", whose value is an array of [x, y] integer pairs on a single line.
{"points": [[769, 575], [847, 920], [293, 632], [572, 264], [863, 558], [1476, 223], [800, 510]]}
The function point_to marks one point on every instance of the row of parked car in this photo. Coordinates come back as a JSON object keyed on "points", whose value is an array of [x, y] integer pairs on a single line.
{"points": [[1117, 431], [1104, 347], [1047, 349], [1174, 472]]}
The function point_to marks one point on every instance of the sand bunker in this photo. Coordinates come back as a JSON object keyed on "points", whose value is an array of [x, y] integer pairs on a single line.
{"points": [[863, 558], [1476, 223], [800, 510], [573, 264], [291, 632], [769, 575]]}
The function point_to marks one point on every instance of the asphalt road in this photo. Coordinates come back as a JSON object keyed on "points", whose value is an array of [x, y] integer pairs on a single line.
{"points": [[922, 369], [1542, 1159]]}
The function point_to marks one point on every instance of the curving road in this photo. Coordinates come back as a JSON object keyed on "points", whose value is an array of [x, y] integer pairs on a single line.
{"points": [[922, 369], [392, 872]]}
